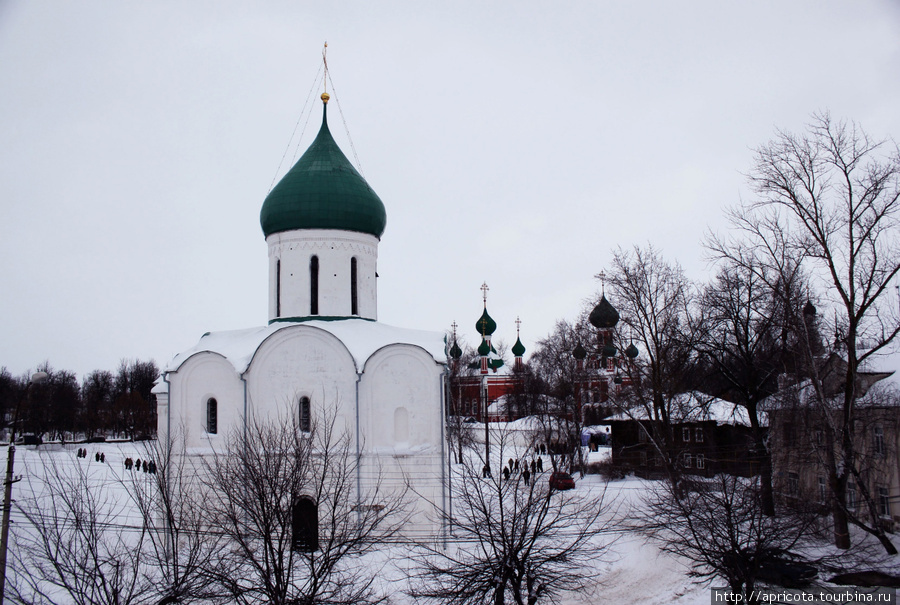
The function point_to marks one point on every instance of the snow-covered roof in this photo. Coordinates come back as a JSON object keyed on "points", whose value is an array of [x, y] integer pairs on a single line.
{"points": [[361, 337], [698, 407]]}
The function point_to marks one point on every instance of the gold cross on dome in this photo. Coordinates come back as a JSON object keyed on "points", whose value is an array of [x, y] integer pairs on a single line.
{"points": [[484, 291]]}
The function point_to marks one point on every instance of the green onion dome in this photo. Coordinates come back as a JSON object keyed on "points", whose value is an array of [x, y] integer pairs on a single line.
{"points": [[809, 309], [485, 324], [323, 191], [518, 349], [455, 351], [631, 351], [484, 349], [609, 351], [604, 315], [579, 353]]}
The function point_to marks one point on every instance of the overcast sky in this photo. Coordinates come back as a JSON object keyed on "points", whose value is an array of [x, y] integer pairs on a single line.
{"points": [[516, 143]]}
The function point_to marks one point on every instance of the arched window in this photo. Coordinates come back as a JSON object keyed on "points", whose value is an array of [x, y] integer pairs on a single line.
{"points": [[314, 285], [305, 416], [278, 288], [212, 416], [354, 309], [305, 525]]}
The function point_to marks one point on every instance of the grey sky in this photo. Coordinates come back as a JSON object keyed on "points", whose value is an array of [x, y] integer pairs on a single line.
{"points": [[516, 143]]}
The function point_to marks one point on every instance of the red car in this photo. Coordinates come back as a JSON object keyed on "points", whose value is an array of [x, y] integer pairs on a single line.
{"points": [[560, 480]]}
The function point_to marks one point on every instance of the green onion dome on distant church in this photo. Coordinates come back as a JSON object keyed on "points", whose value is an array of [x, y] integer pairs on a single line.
{"points": [[579, 353], [485, 324], [323, 191], [518, 349], [604, 315]]}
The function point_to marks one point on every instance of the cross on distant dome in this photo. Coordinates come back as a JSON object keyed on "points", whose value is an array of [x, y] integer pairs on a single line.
{"points": [[484, 291], [454, 326], [518, 324], [602, 277]]}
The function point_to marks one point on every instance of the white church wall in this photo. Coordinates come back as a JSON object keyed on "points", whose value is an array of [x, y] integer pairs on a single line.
{"points": [[334, 249], [202, 377], [400, 395], [303, 361], [400, 392]]}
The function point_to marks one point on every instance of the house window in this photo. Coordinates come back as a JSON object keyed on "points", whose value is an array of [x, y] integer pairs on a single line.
{"points": [[687, 461], [305, 525], [851, 496], [305, 416], [686, 433], [793, 484], [354, 309], [642, 433], [820, 436], [701, 461], [698, 434], [212, 416], [314, 285], [823, 486], [643, 457], [884, 502], [879, 441]]}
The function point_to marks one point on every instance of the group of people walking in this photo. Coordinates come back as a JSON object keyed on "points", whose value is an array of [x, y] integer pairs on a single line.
{"points": [[536, 466], [98, 456], [147, 466]]}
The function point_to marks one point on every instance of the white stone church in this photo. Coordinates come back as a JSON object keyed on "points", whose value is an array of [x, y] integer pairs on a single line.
{"points": [[323, 348]]}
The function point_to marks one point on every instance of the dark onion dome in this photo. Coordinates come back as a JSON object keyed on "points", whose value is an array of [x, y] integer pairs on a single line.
{"points": [[485, 325], [609, 351], [484, 349], [455, 351], [809, 309], [631, 351], [323, 191], [518, 349], [604, 315], [579, 353]]}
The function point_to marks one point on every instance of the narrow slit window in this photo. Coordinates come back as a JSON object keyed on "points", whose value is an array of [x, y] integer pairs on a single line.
{"points": [[278, 288], [305, 417], [314, 285], [212, 416], [354, 308]]}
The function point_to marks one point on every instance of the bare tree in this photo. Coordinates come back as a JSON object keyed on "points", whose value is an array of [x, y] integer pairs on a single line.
{"points": [[830, 197], [654, 299], [516, 539], [81, 543], [181, 544], [297, 519], [745, 339], [559, 410], [721, 528], [460, 382]]}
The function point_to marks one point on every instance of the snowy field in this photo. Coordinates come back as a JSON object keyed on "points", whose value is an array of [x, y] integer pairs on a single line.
{"points": [[634, 572]]}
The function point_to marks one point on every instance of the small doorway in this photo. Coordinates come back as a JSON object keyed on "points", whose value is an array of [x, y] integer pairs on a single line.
{"points": [[305, 525]]}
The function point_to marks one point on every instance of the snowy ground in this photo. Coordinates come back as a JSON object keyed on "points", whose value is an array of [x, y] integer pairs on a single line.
{"points": [[636, 572]]}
